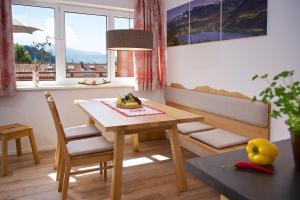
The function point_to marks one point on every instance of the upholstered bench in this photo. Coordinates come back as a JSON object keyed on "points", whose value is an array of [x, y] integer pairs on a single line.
{"points": [[230, 119]]}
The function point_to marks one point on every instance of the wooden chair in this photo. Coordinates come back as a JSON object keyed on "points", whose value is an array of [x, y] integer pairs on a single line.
{"points": [[79, 152], [74, 133], [16, 132]]}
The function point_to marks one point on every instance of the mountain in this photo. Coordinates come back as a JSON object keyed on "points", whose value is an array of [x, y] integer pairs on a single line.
{"points": [[89, 57], [72, 55]]}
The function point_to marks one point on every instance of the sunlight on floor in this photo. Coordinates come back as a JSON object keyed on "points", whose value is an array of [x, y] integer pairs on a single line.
{"points": [[136, 161], [53, 177], [87, 168], [160, 157], [126, 163]]}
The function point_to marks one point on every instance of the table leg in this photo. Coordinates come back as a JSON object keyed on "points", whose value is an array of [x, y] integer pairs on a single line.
{"points": [[19, 146], [116, 185], [177, 158], [135, 143]]}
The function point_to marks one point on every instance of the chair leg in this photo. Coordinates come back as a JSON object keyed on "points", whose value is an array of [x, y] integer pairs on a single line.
{"points": [[66, 181], [105, 170], [62, 169], [4, 156], [101, 170], [34, 147], [59, 167], [19, 147], [56, 157]]}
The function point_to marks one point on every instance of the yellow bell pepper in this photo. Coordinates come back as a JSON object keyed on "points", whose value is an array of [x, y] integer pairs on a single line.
{"points": [[261, 151]]}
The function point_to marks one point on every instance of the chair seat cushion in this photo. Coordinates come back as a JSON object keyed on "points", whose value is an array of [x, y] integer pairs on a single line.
{"points": [[81, 132], [89, 146], [192, 127], [219, 138]]}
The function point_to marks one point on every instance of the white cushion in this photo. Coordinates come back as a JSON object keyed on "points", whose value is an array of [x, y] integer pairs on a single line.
{"points": [[81, 132], [219, 138], [89, 146], [192, 127]]}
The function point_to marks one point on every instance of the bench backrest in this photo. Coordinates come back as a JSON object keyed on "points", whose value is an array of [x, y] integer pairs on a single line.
{"points": [[231, 111]]}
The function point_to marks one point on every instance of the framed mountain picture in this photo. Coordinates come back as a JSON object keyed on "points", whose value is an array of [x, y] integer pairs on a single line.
{"points": [[205, 21], [202, 21], [244, 18], [178, 25]]}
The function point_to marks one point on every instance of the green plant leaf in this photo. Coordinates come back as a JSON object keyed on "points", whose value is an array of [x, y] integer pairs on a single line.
{"points": [[254, 77], [264, 76]]}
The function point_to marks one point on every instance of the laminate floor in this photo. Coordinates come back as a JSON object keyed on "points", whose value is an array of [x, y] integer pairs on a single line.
{"points": [[147, 175]]}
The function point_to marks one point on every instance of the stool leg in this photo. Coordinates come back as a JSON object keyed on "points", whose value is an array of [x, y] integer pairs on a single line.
{"points": [[19, 147], [4, 156], [34, 147]]}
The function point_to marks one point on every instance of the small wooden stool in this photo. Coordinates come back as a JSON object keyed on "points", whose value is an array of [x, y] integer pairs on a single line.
{"points": [[16, 131]]}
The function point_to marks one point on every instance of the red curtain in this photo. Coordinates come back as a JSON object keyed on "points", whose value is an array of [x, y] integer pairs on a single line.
{"points": [[7, 62], [150, 65]]}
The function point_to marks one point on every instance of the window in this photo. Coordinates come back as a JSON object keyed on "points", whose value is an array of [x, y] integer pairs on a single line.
{"points": [[36, 49], [123, 59], [76, 47], [86, 54]]}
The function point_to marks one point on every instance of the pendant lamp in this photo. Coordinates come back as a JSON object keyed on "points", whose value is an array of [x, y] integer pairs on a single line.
{"points": [[129, 39]]}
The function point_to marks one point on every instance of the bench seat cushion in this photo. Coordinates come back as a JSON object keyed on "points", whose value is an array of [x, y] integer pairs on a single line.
{"points": [[192, 127], [219, 138]]}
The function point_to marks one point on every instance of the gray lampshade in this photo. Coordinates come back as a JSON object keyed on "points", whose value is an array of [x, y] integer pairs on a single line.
{"points": [[129, 40]]}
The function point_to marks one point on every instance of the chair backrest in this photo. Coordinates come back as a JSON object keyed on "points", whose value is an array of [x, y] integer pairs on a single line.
{"points": [[57, 122]]}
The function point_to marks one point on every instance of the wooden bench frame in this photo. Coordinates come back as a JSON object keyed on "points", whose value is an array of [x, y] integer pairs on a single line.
{"points": [[218, 121]]}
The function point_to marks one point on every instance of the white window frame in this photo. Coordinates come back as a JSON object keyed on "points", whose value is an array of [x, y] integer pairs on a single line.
{"points": [[60, 41], [129, 80]]}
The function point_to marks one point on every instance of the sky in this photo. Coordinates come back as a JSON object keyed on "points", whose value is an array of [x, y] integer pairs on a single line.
{"points": [[83, 32]]}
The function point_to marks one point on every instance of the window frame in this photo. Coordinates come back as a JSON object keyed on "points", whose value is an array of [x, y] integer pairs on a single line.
{"points": [[60, 41], [113, 66]]}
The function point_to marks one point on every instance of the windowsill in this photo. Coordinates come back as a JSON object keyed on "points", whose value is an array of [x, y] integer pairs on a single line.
{"points": [[72, 87]]}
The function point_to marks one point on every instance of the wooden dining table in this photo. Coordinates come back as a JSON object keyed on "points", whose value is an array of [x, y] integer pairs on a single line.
{"points": [[109, 120]]}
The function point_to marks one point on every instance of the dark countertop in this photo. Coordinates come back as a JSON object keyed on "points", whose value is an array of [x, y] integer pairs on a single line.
{"points": [[237, 184]]}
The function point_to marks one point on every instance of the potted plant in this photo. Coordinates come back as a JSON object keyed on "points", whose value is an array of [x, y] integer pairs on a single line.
{"points": [[284, 93]]}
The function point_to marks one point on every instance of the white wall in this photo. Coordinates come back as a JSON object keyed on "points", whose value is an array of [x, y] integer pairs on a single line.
{"points": [[30, 107], [231, 64]]}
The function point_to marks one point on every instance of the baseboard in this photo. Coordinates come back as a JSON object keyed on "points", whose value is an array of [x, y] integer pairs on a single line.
{"points": [[28, 150]]}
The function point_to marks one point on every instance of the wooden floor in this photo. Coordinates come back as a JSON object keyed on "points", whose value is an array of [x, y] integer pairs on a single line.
{"points": [[152, 181]]}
